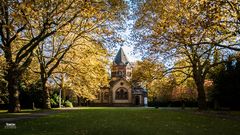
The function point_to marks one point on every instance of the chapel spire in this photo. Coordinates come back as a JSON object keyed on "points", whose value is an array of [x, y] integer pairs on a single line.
{"points": [[121, 58]]}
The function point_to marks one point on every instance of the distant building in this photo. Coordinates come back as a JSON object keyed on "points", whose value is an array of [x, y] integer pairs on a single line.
{"points": [[121, 92]]}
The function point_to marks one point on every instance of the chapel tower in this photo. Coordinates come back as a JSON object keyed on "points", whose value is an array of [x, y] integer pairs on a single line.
{"points": [[121, 67]]}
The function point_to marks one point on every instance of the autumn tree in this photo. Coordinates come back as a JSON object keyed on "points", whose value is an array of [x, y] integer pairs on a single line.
{"points": [[25, 24], [146, 71], [83, 71], [150, 74], [93, 23], [184, 30], [185, 89], [3, 84], [227, 23]]}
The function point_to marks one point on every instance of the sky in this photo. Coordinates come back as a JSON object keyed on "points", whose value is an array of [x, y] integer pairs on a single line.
{"points": [[128, 45], [129, 52]]}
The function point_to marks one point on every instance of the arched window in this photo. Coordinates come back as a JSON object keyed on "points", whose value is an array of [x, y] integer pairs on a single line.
{"points": [[106, 96], [121, 94], [97, 95], [120, 73]]}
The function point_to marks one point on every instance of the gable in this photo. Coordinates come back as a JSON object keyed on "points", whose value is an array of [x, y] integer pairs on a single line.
{"points": [[120, 83]]}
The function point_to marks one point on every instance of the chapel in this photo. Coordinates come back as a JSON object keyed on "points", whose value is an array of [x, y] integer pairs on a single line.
{"points": [[121, 92]]}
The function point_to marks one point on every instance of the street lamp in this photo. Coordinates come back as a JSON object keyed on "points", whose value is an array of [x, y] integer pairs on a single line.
{"points": [[60, 97]]}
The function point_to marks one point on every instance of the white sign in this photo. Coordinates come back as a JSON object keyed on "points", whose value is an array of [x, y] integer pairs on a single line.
{"points": [[10, 126]]}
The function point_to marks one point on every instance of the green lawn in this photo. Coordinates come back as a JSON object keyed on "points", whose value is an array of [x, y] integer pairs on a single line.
{"points": [[125, 121]]}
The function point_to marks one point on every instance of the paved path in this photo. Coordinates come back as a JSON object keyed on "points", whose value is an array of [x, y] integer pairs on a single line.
{"points": [[14, 118]]}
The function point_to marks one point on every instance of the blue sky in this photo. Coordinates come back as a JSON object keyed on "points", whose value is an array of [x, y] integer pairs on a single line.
{"points": [[129, 51], [128, 45]]}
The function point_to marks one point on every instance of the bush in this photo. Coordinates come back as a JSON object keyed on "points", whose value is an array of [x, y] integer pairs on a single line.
{"points": [[31, 94], [54, 100], [53, 103], [68, 104], [173, 104], [226, 90]]}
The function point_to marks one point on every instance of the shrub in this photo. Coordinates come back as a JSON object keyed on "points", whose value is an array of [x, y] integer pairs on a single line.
{"points": [[53, 103], [68, 104], [54, 100]]}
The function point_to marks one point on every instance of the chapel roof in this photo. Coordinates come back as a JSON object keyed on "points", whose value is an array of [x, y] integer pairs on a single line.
{"points": [[121, 58]]}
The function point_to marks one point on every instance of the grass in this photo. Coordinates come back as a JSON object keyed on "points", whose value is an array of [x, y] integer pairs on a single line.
{"points": [[125, 121]]}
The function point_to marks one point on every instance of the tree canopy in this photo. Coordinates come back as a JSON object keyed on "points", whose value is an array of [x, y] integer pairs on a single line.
{"points": [[188, 30], [24, 25]]}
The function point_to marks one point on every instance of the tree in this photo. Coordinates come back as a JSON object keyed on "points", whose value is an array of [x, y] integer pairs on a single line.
{"points": [[183, 30], [150, 74], [25, 24], [226, 84], [83, 70], [185, 89], [90, 25], [161, 89], [146, 71], [229, 19], [3, 83]]}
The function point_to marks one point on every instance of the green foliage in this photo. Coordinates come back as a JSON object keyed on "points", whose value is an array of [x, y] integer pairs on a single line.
{"points": [[68, 104], [226, 90], [30, 94], [36, 94], [54, 100]]}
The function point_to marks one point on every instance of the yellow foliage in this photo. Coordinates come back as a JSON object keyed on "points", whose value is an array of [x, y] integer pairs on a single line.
{"points": [[84, 68]]}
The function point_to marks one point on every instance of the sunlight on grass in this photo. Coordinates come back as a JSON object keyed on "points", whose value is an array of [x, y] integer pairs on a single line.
{"points": [[4, 113], [99, 108], [22, 111]]}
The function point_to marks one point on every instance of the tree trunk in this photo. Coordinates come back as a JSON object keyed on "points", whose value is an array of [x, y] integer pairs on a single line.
{"points": [[62, 88], [47, 103], [202, 104], [79, 100], [46, 95], [14, 103]]}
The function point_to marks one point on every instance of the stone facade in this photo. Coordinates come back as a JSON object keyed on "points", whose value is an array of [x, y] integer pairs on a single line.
{"points": [[120, 92]]}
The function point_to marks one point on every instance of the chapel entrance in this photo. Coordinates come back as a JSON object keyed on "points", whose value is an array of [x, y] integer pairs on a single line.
{"points": [[137, 100]]}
